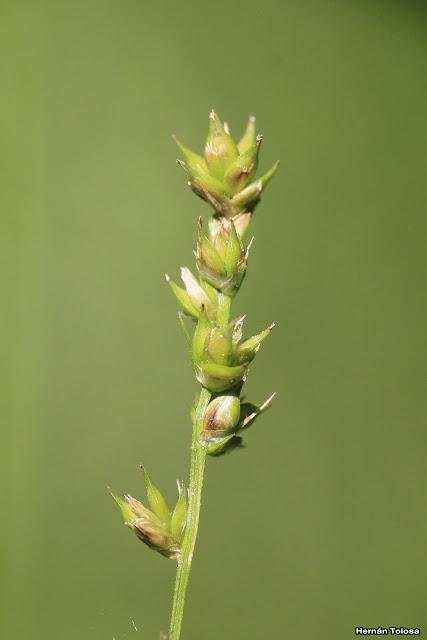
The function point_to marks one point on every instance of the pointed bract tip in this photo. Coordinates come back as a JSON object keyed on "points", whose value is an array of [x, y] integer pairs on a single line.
{"points": [[252, 119], [167, 277], [249, 419], [268, 402], [181, 163], [226, 128], [259, 138], [248, 248], [212, 115], [271, 327]]}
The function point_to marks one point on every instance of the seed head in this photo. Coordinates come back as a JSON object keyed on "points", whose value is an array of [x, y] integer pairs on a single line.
{"points": [[222, 415], [157, 527], [220, 359], [225, 176]]}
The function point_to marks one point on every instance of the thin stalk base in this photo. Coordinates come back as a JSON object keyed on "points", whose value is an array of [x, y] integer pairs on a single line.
{"points": [[198, 459]]}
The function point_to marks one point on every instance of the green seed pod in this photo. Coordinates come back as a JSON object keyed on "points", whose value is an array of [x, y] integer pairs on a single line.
{"points": [[158, 539], [218, 377], [128, 513], [220, 346], [246, 351], [222, 415], [221, 260], [248, 138], [194, 164], [208, 258], [201, 337], [195, 296], [158, 504], [249, 197], [197, 293], [209, 262], [243, 168], [183, 298], [140, 511], [147, 526], [227, 243], [210, 189], [216, 447], [235, 279], [205, 185], [235, 251], [220, 149], [211, 292], [179, 516], [219, 237]]}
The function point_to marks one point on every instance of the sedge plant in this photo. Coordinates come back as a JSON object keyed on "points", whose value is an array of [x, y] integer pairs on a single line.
{"points": [[224, 177]]}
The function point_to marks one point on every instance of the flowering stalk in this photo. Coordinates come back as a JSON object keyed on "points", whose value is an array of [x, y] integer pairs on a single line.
{"points": [[225, 178]]}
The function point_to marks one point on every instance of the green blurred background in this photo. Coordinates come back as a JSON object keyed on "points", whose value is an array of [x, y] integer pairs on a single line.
{"points": [[319, 524]]}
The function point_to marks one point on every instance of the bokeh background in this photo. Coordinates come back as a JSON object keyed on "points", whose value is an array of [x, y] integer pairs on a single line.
{"points": [[319, 524]]}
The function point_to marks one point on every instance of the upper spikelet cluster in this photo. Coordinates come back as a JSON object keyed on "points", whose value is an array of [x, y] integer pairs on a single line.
{"points": [[225, 178], [225, 175]]}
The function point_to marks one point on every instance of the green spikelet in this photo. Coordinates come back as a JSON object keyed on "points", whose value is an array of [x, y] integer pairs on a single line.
{"points": [[225, 177]]}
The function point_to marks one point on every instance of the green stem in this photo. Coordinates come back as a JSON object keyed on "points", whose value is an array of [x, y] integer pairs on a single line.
{"points": [[198, 459], [223, 311]]}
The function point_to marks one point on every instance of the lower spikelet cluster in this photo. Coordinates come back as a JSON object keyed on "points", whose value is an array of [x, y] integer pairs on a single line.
{"points": [[158, 527]]}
